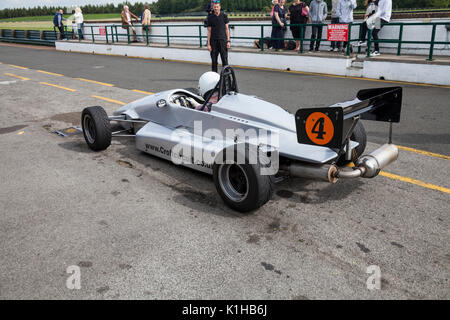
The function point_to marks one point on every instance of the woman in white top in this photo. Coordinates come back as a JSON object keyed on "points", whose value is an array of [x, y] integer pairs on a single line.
{"points": [[79, 21]]}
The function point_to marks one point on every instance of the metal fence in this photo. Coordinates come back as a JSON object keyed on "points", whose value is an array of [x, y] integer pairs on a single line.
{"points": [[113, 32]]}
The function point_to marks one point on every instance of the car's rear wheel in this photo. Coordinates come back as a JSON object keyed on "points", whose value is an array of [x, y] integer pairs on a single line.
{"points": [[241, 186], [96, 128], [359, 135]]}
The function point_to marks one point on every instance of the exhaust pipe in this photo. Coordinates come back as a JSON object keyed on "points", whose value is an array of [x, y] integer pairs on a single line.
{"points": [[367, 166], [378, 159], [325, 172]]}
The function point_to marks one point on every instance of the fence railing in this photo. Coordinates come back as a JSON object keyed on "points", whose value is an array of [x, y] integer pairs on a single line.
{"points": [[114, 31]]}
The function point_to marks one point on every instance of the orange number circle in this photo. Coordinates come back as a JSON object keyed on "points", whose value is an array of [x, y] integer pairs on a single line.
{"points": [[319, 128]]}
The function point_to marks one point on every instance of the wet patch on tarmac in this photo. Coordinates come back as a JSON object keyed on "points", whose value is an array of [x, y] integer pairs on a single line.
{"points": [[85, 264], [253, 238], [270, 267], [125, 266], [12, 129], [284, 194], [102, 289], [363, 247]]}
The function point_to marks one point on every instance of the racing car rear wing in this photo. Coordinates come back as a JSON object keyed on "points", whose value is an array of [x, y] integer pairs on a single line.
{"points": [[332, 126]]}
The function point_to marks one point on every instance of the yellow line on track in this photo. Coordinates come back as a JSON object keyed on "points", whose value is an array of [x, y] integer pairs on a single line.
{"points": [[141, 91], [426, 153], [414, 181], [18, 67], [97, 82], [277, 70], [51, 73], [56, 86], [16, 76], [110, 100]]}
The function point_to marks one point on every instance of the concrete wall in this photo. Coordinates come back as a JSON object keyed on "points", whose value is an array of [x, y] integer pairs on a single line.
{"points": [[412, 72], [410, 33]]}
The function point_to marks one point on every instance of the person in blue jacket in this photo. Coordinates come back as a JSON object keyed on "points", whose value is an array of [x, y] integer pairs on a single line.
{"points": [[58, 23]]}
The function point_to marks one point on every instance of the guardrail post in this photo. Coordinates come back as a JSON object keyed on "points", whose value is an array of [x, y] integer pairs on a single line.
{"points": [[302, 28], [128, 34], [349, 37], [360, 35], [433, 35], [106, 34], [92, 34], [200, 35], [167, 34], [261, 39], [369, 42], [400, 37], [112, 34], [117, 34], [146, 34]]}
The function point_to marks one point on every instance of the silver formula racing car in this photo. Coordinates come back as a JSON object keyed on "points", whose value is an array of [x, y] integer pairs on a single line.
{"points": [[246, 143]]}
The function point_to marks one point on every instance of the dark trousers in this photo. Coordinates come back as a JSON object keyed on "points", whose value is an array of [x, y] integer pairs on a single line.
{"points": [[316, 33], [61, 31], [218, 47], [335, 44], [364, 30], [80, 27], [375, 35]]}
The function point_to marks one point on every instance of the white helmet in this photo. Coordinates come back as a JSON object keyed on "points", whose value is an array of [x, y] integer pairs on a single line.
{"points": [[208, 81]]}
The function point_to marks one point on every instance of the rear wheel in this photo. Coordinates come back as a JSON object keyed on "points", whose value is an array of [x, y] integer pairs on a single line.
{"points": [[96, 128], [359, 135], [241, 186]]}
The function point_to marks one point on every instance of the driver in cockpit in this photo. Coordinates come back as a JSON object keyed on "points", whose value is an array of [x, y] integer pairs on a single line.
{"points": [[206, 84]]}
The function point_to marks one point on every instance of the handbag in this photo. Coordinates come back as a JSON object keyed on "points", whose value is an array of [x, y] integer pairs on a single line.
{"points": [[305, 12]]}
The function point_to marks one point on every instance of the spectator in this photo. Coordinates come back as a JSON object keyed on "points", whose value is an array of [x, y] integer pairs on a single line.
{"points": [[210, 8], [318, 13], [218, 36], [372, 8], [384, 12], [335, 45], [344, 11], [279, 21], [274, 2], [298, 13], [79, 22], [146, 18], [127, 17], [58, 23]]}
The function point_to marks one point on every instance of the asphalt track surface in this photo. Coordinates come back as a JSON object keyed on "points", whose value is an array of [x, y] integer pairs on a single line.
{"points": [[143, 228]]}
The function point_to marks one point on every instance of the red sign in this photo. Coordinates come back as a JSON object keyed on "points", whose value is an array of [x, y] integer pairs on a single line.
{"points": [[102, 31], [337, 32]]}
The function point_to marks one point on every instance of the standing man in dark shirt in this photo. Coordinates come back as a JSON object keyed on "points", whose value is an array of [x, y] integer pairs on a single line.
{"points": [[218, 36]]}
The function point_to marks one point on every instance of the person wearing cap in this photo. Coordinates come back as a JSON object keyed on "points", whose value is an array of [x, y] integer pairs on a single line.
{"points": [[218, 36]]}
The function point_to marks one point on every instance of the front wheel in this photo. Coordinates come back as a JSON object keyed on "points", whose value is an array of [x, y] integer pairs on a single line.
{"points": [[241, 186], [96, 128]]}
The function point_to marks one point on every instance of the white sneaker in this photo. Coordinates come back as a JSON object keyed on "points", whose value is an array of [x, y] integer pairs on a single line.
{"points": [[361, 43], [375, 53], [336, 49]]}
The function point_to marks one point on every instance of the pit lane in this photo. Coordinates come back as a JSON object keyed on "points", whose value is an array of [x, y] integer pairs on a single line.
{"points": [[140, 227]]}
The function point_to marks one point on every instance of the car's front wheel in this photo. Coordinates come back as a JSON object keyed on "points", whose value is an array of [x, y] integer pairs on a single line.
{"points": [[96, 128]]}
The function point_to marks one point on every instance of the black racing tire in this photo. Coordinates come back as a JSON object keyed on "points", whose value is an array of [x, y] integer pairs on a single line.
{"points": [[241, 186], [96, 128], [359, 135]]}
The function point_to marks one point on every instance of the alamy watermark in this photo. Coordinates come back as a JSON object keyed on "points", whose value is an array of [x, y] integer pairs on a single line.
{"points": [[374, 280], [73, 282], [214, 146]]}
